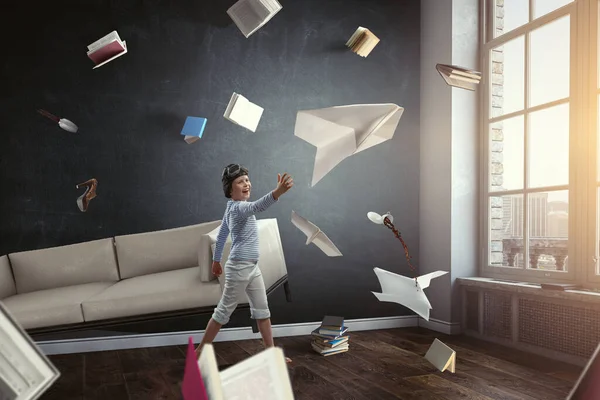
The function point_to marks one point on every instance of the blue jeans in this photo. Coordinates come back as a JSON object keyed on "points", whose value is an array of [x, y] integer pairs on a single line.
{"points": [[242, 276]]}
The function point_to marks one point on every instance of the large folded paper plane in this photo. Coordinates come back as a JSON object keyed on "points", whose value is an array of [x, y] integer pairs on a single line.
{"points": [[405, 291], [315, 235], [341, 131]]}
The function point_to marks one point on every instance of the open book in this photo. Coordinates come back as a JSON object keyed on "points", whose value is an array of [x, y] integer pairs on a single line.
{"points": [[459, 77], [242, 112], [587, 386], [315, 235], [263, 376], [25, 372], [251, 15], [362, 42], [106, 49], [441, 356]]}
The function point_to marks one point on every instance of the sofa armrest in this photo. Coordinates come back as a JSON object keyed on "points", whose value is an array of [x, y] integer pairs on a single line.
{"points": [[205, 259], [205, 254], [7, 281]]}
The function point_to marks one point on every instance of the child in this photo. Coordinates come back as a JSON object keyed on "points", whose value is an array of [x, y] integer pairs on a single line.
{"points": [[241, 269]]}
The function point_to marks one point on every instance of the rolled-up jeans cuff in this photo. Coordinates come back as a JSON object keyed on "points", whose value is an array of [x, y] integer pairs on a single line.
{"points": [[260, 314], [220, 318]]}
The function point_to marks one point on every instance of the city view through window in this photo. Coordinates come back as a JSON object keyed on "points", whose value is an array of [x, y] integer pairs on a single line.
{"points": [[528, 147]]}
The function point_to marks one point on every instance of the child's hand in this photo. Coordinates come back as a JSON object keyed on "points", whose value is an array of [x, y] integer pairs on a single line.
{"points": [[217, 270], [284, 183]]}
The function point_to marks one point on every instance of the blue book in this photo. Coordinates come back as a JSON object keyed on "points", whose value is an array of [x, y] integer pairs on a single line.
{"points": [[193, 129]]}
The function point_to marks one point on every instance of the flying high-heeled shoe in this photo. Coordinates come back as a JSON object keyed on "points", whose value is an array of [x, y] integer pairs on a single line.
{"points": [[90, 192]]}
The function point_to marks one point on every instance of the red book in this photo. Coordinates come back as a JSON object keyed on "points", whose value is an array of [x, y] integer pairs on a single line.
{"points": [[106, 52], [193, 386]]}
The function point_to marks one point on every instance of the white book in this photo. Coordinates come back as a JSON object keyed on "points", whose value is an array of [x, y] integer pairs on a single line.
{"points": [[362, 41], [242, 112], [263, 376], [250, 15], [25, 372], [459, 77]]}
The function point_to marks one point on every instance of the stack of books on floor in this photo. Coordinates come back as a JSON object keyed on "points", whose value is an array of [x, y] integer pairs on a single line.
{"points": [[330, 338]]}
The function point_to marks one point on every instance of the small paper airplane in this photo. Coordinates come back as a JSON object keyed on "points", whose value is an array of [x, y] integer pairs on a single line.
{"points": [[405, 291], [315, 235], [341, 131], [441, 356]]}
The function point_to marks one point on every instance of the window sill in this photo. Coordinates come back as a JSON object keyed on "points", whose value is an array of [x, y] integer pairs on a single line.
{"points": [[535, 289]]}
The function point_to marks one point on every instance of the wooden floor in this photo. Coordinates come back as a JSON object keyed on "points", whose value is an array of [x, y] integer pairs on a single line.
{"points": [[382, 364]]}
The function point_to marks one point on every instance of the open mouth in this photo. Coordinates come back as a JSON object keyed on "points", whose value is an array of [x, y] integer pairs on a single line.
{"points": [[246, 191]]}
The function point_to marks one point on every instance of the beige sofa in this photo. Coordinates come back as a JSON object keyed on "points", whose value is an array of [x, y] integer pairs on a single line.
{"points": [[127, 278]]}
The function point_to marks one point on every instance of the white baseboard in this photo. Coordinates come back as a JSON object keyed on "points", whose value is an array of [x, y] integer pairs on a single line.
{"points": [[85, 345], [449, 328]]}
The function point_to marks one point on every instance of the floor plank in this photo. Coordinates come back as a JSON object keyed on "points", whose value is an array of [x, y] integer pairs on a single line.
{"points": [[384, 364]]}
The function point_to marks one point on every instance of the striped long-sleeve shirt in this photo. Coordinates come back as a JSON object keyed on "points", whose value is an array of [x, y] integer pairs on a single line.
{"points": [[239, 220]]}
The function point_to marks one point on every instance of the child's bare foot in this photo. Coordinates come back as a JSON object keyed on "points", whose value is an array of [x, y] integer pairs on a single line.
{"points": [[288, 360]]}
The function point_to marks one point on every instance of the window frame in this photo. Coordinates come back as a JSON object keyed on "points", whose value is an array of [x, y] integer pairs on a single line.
{"points": [[582, 150], [591, 118]]}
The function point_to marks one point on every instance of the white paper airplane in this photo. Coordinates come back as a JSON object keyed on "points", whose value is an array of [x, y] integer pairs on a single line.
{"points": [[405, 291], [315, 235], [341, 131]]}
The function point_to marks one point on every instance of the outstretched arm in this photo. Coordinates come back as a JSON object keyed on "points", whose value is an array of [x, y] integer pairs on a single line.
{"points": [[284, 183], [221, 239], [247, 208]]}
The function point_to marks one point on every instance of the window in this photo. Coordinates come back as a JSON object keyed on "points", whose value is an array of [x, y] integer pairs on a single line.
{"points": [[537, 160]]}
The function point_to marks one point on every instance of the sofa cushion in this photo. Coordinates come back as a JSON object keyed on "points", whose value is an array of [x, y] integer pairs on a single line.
{"points": [[7, 282], [207, 249], [52, 306], [160, 251], [271, 259], [74, 264], [163, 291]]}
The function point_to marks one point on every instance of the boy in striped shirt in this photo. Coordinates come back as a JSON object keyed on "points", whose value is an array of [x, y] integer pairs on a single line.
{"points": [[241, 269]]}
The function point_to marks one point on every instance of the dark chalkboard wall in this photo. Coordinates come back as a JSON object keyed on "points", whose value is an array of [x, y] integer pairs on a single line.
{"points": [[186, 58]]}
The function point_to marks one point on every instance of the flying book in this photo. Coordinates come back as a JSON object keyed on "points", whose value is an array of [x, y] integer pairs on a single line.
{"points": [[441, 356], [341, 131], [193, 128], [193, 385], [406, 291], [587, 386], [315, 235], [251, 15], [263, 376], [459, 77], [242, 112], [25, 372], [106, 49], [362, 42]]}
